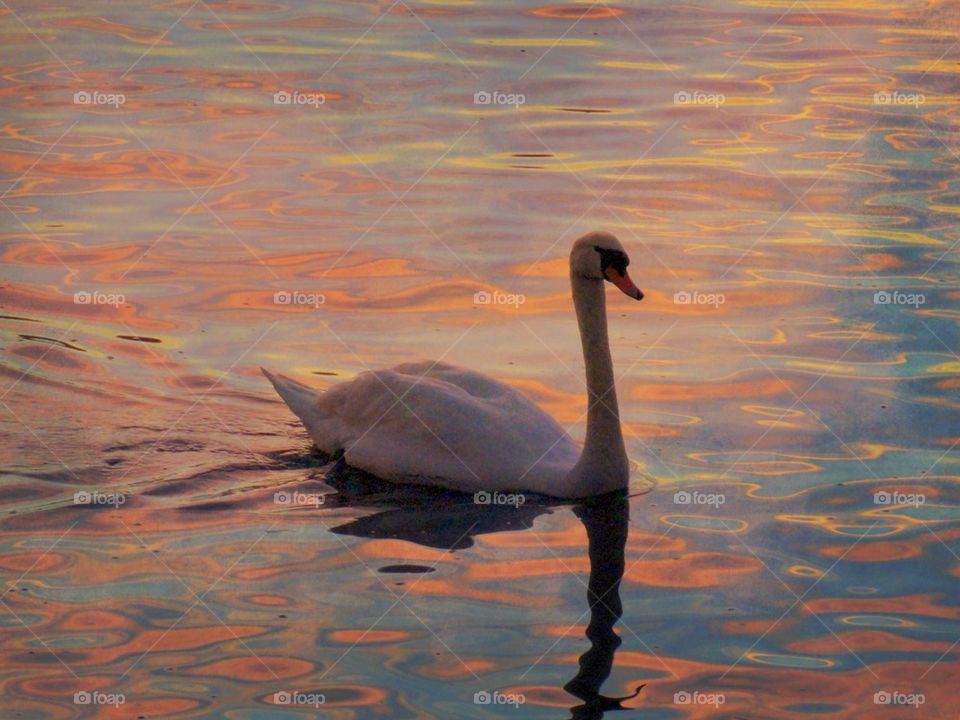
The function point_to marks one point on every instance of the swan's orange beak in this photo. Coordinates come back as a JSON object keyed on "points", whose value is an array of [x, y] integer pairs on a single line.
{"points": [[623, 281]]}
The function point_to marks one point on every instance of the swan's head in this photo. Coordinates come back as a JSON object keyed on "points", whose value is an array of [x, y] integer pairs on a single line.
{"points": [[600, 256]]}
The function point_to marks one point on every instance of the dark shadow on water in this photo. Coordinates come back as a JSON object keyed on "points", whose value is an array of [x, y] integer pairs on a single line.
{"points": [[607, 520], [450, 520], [425, 515]]}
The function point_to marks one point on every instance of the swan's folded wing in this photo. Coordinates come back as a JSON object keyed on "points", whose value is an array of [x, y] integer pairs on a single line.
{"points": [[457, 428]]}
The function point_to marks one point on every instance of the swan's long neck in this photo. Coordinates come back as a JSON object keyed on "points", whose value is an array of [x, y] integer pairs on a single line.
{"points": [[603, 462]]}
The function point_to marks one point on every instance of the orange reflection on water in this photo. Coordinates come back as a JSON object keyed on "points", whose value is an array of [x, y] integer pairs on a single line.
{"points": [[399, 199]]}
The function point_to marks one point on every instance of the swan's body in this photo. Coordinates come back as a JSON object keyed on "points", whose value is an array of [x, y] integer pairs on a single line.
{"points": [[437, 424], [426, 422]]}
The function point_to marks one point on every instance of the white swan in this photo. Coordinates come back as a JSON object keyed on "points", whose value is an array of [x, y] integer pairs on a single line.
{"points": [[437, 424]]}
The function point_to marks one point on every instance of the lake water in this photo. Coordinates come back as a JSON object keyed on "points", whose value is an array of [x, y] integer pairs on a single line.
{"points": [[192, 190]]}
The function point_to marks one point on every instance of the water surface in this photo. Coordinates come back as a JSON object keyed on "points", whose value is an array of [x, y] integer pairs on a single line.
{"points": [[778, 164]]}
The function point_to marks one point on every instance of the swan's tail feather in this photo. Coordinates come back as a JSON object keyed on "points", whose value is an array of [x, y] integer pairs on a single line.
{"points": [[302, 399]]}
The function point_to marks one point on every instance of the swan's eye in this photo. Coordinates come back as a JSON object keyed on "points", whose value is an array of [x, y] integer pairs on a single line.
{"points": [[616, 259]]}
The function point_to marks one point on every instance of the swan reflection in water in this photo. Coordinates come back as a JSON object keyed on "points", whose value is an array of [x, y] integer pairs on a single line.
{"points": [[607, 520], [450, 521]]}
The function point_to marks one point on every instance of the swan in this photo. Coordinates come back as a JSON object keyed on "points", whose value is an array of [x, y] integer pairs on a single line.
{"points": [[432, 423]]}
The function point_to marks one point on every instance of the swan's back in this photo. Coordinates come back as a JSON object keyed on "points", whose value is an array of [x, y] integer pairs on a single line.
{"points": [[439, 424]]}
